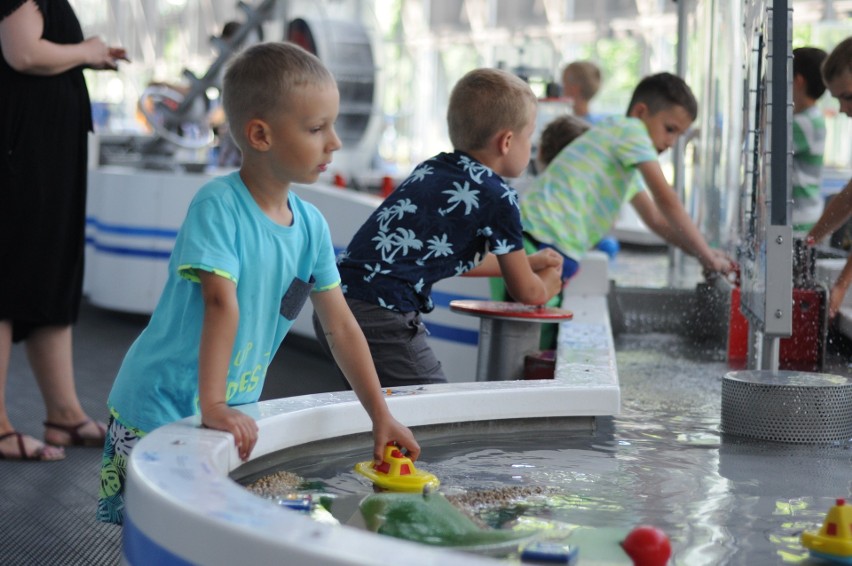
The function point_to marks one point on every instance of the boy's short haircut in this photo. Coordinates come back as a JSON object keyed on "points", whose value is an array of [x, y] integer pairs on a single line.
{"points": [[839, 61], [585, 74], [807, 62], [486, 101], [557, 134], [663, 91], [260, 78]]}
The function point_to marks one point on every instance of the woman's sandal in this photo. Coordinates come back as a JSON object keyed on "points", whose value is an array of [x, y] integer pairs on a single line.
{"points": [[75, 438], [41, 454]]}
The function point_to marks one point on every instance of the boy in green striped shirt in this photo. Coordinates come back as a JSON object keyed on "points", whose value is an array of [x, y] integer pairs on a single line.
{"points": [[808, 137]]}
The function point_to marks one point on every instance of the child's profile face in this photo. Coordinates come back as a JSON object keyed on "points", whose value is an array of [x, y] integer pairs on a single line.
{"points": [[518, 157], [665, 125], [841, 89], [303, 132]]}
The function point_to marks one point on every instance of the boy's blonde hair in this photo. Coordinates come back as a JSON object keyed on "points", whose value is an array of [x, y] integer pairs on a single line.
{"points": [[484, 102], [839, 61], [586, 75], [258, 82], [557, 134]]}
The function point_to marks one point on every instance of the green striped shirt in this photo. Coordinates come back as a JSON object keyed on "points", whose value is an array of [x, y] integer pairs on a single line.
{"points": [[808, 147]]}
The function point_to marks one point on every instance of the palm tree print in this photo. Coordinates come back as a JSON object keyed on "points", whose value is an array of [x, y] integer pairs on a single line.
{"points": [[464, 267], [401, 240], [396, 211], [374, 270], [461, 195], [509, 193], [438, 247], [385, 241], [419, 174], [502, 247], [474, 168]]}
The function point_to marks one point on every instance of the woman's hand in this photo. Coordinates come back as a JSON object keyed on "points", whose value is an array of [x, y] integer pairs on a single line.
{"points": [[100, 56]]}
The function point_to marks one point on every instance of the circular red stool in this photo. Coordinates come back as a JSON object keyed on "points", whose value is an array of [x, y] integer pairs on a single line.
{"points": [[507, 333]]}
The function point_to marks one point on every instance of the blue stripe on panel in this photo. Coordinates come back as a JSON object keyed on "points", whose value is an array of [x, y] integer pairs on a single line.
{"points": [[125, 251], [452, 333], [139, 549], [131, 230]]}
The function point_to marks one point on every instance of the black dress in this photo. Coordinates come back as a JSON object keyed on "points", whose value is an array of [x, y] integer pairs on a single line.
{"points": [[44, 125]]}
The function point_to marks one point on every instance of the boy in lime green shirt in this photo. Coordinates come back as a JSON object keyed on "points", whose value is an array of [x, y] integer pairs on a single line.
{"points": [[575, 201]]}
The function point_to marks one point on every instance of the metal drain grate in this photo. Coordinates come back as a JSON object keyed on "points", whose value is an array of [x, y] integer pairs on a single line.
{"points": [[787, 406]]}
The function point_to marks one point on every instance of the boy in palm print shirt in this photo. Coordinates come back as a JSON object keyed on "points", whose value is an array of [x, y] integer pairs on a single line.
{"points": [[454, 215]]}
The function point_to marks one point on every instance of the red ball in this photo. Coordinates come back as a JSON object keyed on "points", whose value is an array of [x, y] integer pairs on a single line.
{"points": [[647, 546]]}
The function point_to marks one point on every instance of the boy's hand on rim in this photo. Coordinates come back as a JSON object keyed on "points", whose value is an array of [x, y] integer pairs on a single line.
{"points": [[240, 425]]}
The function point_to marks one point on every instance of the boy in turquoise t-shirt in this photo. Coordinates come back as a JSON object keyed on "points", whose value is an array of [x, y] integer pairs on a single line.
{"points": [[575, 201], [808, 137], [247, 257]]}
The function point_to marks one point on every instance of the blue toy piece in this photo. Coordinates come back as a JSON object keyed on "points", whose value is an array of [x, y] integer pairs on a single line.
{"points": [[609, 246], [297, 503], [549, 553]]}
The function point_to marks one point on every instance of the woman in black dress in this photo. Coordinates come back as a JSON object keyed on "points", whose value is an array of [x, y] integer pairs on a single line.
{"points": [[45, 117]]}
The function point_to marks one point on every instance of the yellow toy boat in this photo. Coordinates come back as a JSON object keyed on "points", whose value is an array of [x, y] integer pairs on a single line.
{"points": [[833, 542], [397, 473]]}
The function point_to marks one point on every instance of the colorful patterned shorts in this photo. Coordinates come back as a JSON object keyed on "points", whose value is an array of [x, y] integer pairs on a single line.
{"points": [[120, 440]]}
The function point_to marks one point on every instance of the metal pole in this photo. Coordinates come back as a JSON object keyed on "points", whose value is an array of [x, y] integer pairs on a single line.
{"points": [[676, 254]]}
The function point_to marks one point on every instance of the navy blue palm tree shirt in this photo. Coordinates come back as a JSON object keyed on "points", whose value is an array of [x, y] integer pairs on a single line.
{"points": [[438, 223]]}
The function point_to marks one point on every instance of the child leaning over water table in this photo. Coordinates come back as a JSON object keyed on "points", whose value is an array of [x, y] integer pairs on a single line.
{"points": [[249, 254], [454, 215], [575, 201]]}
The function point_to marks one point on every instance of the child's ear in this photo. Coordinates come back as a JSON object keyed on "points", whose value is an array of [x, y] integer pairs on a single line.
{"points": [[639, 110], [258, 134], [504, 141]]}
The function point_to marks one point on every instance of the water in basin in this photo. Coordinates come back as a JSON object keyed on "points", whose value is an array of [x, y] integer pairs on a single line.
{"points": [[663, 462]]}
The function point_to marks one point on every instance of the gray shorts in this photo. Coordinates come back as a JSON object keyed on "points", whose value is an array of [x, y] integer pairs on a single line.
{"points": [[397, 343]]}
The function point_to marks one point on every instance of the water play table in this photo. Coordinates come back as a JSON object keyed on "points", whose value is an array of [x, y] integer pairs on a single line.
{"points": [[507, 332]]}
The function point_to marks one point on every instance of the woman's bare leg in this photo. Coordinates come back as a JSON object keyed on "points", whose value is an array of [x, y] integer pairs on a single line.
{"points": [[49, 350], [9, 446]]}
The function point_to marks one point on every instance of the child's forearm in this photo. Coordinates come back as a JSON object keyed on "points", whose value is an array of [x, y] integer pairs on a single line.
{"points": [[218, 333], [488, 267], [845, 278], [838, 209], [358, 368], [684, 233]]}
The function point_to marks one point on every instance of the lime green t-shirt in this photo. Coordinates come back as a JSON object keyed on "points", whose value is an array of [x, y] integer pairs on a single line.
{"points": [[577, 198]]}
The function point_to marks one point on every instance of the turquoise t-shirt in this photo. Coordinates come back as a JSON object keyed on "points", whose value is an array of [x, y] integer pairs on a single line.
{"points": [[224, 232], [575, 201]]}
